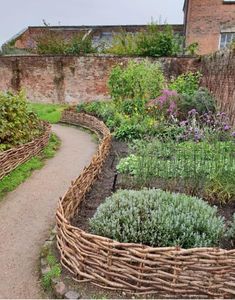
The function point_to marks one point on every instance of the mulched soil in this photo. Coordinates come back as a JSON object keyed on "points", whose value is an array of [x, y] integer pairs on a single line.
{"points": [[104, 187]]}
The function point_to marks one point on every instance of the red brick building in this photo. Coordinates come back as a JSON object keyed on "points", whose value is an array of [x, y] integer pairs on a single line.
{"points": [[211, 23]]}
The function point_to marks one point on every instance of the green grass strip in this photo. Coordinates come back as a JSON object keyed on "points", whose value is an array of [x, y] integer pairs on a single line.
{"points": [[20, 174], [47, 112]]}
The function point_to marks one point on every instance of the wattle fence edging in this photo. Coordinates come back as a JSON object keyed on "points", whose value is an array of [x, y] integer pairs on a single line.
{"points": [[12, 158], [130, 267]]}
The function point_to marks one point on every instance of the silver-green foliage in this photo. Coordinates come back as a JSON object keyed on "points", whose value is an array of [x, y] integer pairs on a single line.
{"points": [[157, 218]]}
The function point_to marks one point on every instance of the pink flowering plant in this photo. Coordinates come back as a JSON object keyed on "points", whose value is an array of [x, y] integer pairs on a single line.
{"points": [[166, 104]]}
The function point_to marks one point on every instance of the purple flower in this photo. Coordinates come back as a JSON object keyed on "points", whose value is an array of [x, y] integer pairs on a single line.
{"points": [[226, 127], [183, 123], [192, 112], [233, 134]]}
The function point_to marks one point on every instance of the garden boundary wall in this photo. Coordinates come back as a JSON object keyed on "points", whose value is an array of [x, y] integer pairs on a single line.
{"points": [[140, 269], [12, 158], [72, 79]]}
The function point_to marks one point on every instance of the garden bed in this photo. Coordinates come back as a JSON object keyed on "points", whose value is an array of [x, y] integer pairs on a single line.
{"points": [[109, 181], [134, 267]]}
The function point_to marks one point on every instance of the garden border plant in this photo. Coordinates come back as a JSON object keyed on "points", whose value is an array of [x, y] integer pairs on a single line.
{"points": [[134, 267]]}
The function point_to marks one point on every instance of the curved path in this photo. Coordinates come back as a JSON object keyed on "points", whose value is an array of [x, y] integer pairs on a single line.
{"points": [[27, 214]]}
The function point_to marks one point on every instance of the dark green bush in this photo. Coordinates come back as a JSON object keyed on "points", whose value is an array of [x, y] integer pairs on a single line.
{"points": [[158, 218], [142, 80], [17, 124]]}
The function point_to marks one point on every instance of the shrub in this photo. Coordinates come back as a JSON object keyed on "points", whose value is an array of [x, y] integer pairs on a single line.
{"points": [[142, 80], [154, 41], [158, 42], [201, 100], [158, 218], [123, 43], [50, 42], [186, 83], [17, 124]]}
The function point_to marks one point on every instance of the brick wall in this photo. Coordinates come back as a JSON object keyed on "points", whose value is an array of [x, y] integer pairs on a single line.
{"points": [[205, 20], [70, 79]]}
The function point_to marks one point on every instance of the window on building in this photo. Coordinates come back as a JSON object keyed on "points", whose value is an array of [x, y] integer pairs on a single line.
{"points": [[226, 39]]}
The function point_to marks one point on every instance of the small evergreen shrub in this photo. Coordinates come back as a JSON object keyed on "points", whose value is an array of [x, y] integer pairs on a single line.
{"points": [[142, 80], [17, 124], [158, 218]]}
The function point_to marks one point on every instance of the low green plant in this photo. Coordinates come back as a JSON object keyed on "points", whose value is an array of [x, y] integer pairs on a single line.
{"points": [[127, 119], [158, 218], [197, 168], [17, 124], [54, 272], [143, 80], [187, 83], [221, 187]]}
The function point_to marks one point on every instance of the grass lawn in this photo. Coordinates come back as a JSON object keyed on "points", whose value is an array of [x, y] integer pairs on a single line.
{"points": [[47, 112], [20, 174]]}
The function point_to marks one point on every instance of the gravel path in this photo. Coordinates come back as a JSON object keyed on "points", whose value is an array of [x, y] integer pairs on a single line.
{"points": [[27, 214]]}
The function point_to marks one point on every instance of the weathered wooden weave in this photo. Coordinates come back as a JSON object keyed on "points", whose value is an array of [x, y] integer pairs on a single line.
{"points": [[201, 272], [12, 158], [218, 72]]}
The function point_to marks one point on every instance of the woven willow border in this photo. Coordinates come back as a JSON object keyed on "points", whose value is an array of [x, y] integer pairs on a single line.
{"points": [[129, 267], [12, 158]]}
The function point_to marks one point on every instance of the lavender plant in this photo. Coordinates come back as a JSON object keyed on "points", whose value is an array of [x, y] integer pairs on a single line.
{"points": [[158, 218]]}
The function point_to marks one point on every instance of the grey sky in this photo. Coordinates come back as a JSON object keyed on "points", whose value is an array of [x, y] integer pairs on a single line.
{"points": [[18, 14]]}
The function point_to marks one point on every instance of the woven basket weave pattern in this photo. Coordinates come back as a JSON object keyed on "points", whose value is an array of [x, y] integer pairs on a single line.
{"points": [[12, 158], [130, 267]]}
